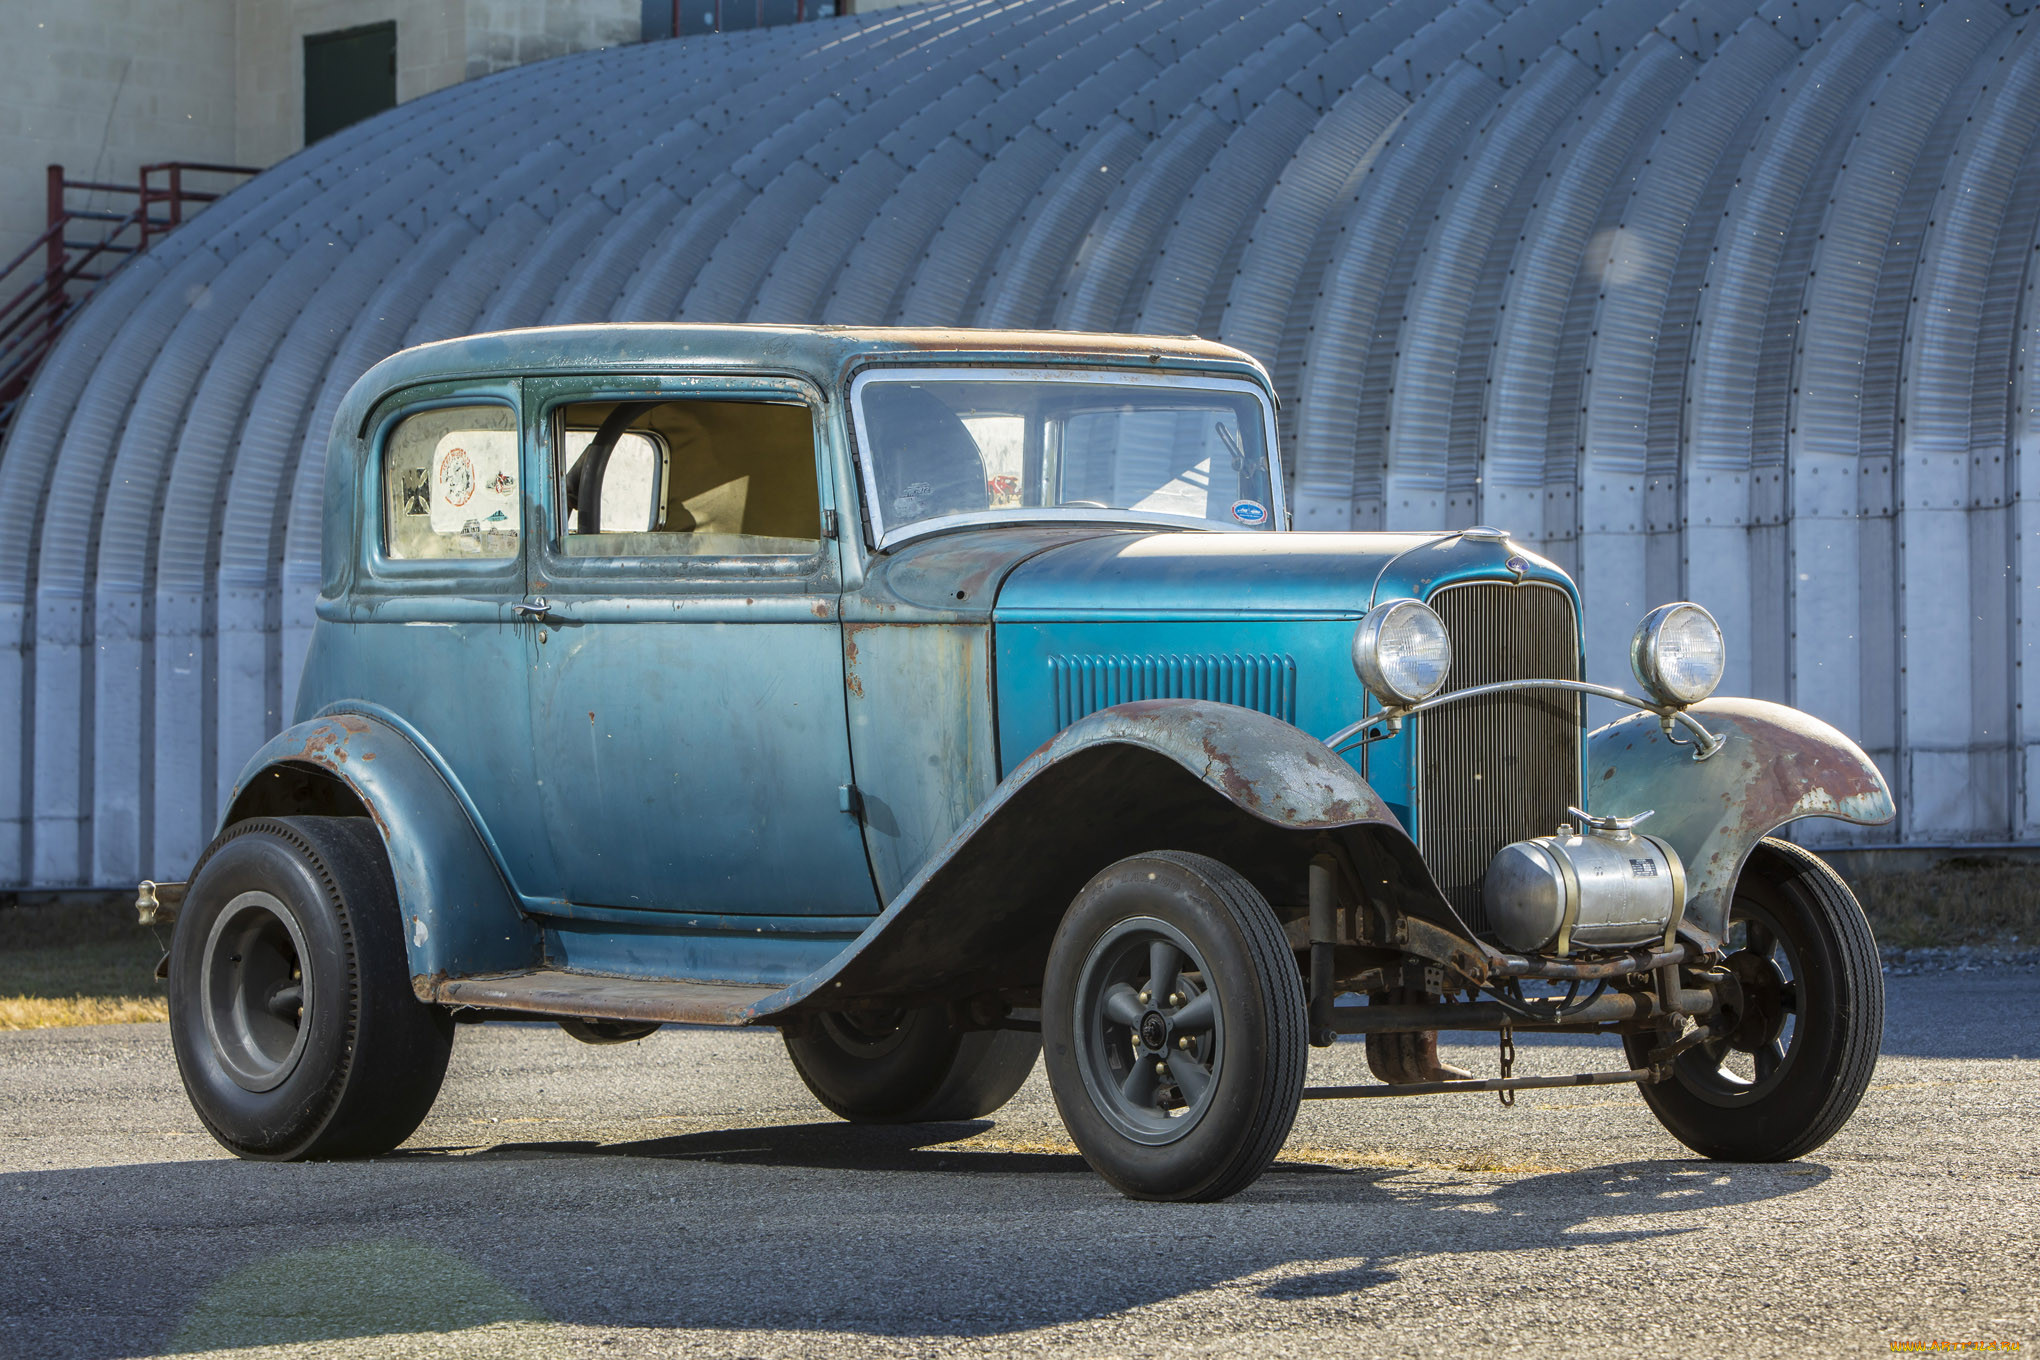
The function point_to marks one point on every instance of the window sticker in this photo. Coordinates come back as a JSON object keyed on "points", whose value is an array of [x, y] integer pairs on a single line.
{"points": [[450, 484], [474, 481], [417, 492], [1250, 512]]}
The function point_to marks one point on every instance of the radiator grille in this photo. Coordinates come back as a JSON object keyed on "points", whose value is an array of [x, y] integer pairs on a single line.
{"points": [[1504, 767], [1085, 684]]}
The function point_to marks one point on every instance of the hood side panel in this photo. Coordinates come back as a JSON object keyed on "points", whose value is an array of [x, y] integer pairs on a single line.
{"points": [[1051, 674]]}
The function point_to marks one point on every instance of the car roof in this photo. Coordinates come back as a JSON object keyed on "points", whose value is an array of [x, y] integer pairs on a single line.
{"points": [[822, 353]]}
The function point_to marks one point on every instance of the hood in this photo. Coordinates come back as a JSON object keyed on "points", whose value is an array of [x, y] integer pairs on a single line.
{"points": [[1186, 573], [961, 572]]}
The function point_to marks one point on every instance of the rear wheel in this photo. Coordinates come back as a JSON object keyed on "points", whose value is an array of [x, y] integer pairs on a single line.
{"points": [[1802, 1038], [291, 1009], [909, 1066], [1173, 1025]]}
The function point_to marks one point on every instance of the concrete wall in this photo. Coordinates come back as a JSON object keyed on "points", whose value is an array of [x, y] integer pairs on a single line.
{"points": [[269, 66], [439, 43], [104, 87]]}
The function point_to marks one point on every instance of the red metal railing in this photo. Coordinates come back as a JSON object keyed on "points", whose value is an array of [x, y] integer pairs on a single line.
{"points": [[46, 283]]}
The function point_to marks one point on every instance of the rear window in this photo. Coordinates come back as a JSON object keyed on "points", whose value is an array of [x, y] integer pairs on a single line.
{"points": [[450, 484]]}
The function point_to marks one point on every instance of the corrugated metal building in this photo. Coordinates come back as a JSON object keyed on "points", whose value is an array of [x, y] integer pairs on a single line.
{"points": [[1720, 301]]}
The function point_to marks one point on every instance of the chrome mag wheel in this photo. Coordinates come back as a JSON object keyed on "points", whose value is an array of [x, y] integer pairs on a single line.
{"points": [[1151, 1041], [1172, 1026]]}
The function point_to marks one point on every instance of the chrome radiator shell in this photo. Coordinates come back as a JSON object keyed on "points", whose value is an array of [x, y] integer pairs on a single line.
{"points": [[1500, 768]]}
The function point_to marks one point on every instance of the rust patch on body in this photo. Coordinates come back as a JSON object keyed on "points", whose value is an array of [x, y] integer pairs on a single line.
{"points": [[1776, 766], [1259, 763], [375, 815], [319, 745]]}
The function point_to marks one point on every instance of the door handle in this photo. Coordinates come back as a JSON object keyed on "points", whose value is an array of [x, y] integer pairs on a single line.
{"points": [[535, 610]]}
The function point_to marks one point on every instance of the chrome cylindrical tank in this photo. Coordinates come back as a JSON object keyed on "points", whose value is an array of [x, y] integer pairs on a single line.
{"points": [[1599, 887]]}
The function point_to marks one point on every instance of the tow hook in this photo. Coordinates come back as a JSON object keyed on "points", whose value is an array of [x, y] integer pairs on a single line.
{"points": [[157, 903]]}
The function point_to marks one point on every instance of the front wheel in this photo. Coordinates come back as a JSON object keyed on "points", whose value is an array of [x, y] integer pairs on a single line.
{"points": [[1172, 1021], [291, 1010], [1801, 1042]]}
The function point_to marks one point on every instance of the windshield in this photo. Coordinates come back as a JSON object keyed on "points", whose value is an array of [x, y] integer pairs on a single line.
{"points": [[1062, 444]]}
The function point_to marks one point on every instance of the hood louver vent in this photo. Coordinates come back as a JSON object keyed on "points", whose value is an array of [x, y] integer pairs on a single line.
{"points": [[1265, 682]]}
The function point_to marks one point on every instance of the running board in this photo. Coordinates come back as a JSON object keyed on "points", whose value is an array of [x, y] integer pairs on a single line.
{"points": [[1640, 1076], [589, 996]]}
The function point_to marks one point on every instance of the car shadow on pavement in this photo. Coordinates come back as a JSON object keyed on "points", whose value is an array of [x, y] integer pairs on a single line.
{"points": [[828, 1146], [1599, 1206], [432, 1241]]}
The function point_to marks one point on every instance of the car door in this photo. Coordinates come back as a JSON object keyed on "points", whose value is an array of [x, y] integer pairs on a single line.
{"points": [[433, 641], [687, 689]]}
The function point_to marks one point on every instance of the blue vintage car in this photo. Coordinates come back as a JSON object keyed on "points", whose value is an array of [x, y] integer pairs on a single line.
{"points": [[950, 698]]}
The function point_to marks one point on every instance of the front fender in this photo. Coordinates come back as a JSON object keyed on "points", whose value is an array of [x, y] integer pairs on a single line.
{"points": [[1776, 765], [1160, 774], [460, 917]]}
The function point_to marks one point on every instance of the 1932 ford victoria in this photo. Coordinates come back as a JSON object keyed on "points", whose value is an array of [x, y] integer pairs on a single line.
{"points": [[950, 698]]}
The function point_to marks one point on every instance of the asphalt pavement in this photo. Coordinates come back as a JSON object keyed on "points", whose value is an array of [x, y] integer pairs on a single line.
{"points": [[683, 1196]]}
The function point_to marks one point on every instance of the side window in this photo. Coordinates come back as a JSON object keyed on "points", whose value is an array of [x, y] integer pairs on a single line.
{"points": [[690, 478], [450, 484]]}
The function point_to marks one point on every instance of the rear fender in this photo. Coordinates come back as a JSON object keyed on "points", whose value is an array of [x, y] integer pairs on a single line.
{"points": [[460, 917], [1162, 774], [1775, 766]]}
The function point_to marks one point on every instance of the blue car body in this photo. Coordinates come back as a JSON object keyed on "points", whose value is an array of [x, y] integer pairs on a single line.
{"points": [[735, 791]]}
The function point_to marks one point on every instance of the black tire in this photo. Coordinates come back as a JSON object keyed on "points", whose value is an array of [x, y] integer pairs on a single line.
{"points": [[351, 1068], [1182, 1090], [1805, 1043], [909, 1067]]}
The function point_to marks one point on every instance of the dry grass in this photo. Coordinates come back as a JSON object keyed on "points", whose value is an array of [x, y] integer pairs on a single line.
{"points": [[1377, 1160], [1958, 902], [78, 965], [37, 1012]]}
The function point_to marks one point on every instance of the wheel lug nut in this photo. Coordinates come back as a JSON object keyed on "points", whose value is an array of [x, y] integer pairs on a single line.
{"points": [[1183, 1042], [1175, 998], [1161, 1069], [1143, 998]]}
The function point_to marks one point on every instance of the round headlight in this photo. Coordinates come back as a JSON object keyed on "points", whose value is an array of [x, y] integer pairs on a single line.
{"points": [[1677, 654], [1402, 652]]}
